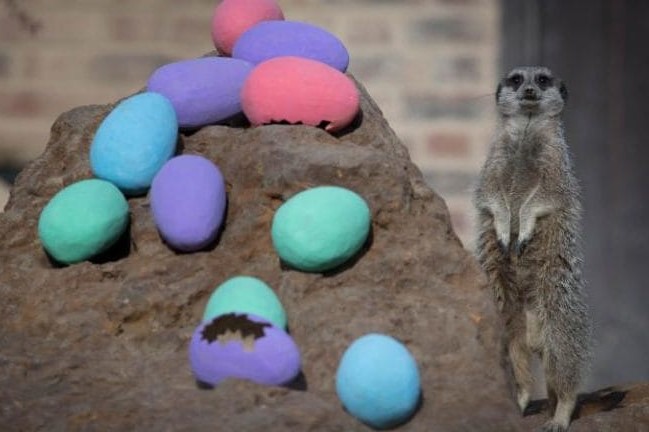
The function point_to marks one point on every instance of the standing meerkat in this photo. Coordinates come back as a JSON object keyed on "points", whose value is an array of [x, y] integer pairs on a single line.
{"points": [[528, 209]]}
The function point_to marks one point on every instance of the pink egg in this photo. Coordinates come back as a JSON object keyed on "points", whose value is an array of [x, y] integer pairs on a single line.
{"points": [[233, 17], [298, 90]]}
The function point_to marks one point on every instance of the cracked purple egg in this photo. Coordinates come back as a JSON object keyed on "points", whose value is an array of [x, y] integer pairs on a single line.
{"points": [[243, 346], [188, 200]]}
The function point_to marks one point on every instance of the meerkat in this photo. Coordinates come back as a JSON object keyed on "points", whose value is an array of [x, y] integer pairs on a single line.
{"points": [[528, 209]]}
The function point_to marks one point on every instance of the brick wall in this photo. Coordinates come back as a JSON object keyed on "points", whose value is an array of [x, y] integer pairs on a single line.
{"points": [[431, 66]]}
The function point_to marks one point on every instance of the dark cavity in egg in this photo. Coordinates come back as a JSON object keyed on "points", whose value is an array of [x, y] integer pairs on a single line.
{"points": [[233, 323]]}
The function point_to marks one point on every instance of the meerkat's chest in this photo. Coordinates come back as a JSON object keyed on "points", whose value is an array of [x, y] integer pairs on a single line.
{"points": [[520, 175]]}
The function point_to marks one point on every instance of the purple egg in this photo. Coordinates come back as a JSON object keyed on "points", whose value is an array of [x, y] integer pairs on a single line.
{"points": [[270, 39], [203, 91], [188, 202], [243, 346]]}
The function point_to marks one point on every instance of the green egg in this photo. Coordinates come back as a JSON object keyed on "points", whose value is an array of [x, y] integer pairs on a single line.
{"points": [[321, 228], [246, 294], [83, 220]]}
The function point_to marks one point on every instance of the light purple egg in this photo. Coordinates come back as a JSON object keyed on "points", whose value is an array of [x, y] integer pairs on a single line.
{"points": [[203, 91], [188, 201], [270, 39], [243, 346]]}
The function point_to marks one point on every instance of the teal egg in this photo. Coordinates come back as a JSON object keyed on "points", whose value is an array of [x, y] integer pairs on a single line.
{"points": [[249, 295], [83, 220], [378, 381], [320, 228], [134, 141]]}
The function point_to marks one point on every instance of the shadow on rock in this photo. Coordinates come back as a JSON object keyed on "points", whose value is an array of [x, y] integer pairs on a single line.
{"points": [[606, 399]]}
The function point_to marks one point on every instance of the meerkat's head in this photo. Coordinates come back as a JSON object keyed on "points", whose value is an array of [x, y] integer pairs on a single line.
{"points": [[531, 90]]}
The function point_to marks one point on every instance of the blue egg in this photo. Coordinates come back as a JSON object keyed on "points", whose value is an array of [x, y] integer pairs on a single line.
{"points": [[270, 39], [134, 141], [378, 381]]}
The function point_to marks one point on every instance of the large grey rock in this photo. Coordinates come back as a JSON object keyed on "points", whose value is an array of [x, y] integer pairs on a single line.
{"points": [[103, 345]]}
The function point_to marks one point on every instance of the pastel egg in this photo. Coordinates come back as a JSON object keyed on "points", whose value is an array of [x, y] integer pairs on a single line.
{"points": [[270, 39], [134, 141], [233, 17], [299, 91], [245, 294], [242, 346], [188, 200], [83, 220], [378, 381], [320, 228], [203, 91]]}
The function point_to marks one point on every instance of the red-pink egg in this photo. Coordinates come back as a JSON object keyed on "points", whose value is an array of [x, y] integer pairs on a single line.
{"points": [[297, 90], [233, 17]]}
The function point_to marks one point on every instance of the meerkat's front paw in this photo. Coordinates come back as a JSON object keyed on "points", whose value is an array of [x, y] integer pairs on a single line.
{"points": [[503, 246], [502, 227], [520, 246], [553, 426], [503, 241], [523, 399]]}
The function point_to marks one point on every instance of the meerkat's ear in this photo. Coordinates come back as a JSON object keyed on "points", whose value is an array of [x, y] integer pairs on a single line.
{"points": [[500, 87], [564, 91]]}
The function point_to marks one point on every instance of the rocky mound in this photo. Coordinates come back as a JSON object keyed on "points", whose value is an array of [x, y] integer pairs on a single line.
{"points": [[103, 345]]}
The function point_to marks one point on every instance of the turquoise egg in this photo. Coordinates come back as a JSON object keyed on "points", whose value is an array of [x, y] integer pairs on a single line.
{"points": [[83, 220], [320, 228], [249, 295], [378, 381], [134, 141]]}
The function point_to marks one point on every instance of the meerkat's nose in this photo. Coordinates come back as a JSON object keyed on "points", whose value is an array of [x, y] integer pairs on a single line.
{"points": [[529, 93]]}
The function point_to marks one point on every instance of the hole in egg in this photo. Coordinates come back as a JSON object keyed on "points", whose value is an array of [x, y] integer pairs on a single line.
{"points": [[234, 327], [284, 122], [324, 124]]}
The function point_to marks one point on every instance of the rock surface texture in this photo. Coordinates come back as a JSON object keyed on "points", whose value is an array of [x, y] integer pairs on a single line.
{"points": [[103, 345]]}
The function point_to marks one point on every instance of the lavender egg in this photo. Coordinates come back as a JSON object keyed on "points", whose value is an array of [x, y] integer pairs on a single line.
{"points": [[270, 39], [188, 200], [203, 91], [243, 346]]}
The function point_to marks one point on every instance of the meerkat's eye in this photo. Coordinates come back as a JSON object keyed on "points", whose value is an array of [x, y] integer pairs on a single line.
{"points": [[515, 80], [543, 80]]}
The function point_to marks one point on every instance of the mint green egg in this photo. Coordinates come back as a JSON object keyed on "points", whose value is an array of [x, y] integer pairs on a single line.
{"points": [[83, 220], [248, 295], [320, 228]]}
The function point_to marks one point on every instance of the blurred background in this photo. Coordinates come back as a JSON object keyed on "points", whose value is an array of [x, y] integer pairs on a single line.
{"points": [[432, 67]]}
